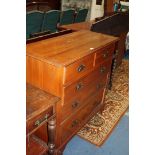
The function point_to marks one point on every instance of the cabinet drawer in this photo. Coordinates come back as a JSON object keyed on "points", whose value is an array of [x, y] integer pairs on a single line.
{"points": [[77, 93], [103, 54], [106, 66], [78, 69], [37, 121], [70, 126]]}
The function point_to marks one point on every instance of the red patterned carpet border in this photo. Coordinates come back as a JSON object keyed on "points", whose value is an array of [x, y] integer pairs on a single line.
{"points": [[97, 130]]}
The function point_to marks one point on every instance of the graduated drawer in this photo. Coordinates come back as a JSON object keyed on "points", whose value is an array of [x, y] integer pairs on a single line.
{"points": [[103, 54], [40, 119], [71, 125], [78, 69], [77, 93]]}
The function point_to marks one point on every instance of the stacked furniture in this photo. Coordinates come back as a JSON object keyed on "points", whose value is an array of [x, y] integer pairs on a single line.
{"points": [[81, 15], [76, 68], [67, 17], [33, 22], [51, 18], [39, 22]]}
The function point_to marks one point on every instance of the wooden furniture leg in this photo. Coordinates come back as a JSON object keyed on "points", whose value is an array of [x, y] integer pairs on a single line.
{"points": [[51, 135]]}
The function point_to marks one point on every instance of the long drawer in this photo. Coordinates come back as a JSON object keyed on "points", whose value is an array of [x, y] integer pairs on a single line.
{"points": [[77, 93], [70, 126]]}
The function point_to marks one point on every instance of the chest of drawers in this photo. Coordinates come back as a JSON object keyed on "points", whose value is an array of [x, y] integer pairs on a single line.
{"points": [[76, 68]]}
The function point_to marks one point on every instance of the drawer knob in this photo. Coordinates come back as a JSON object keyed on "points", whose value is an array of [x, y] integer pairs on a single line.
{"points": [[81, 68], [102, 69], [75, 104], [74, 123], [39, 121], [79, 86], [105, 54]]}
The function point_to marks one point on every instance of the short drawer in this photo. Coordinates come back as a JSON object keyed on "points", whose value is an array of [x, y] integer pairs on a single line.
{"points": [[103, 54], [105, 66], [37, 121], [78, 69], [71, 125], [76, 94]]}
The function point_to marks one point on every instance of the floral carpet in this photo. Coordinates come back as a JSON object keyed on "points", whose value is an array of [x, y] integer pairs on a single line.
{"points": [[97, 130]]}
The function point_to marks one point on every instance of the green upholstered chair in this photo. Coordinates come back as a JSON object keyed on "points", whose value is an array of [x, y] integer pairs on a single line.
{"points": [[81, 15], [67, 17], [51, 19], [34, 21]]}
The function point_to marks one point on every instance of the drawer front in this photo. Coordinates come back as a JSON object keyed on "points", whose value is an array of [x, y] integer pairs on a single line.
{"points": [[70, 126], [77, 93], [104, 54], [105, 66], [37, 121], [78, 69]]}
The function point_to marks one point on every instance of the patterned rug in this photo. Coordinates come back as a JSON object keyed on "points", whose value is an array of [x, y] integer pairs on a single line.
{"points": [[97, 130]]}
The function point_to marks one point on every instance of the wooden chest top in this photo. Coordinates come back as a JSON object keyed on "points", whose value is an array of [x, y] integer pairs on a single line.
{"points": [[64, 50], [37, 101]]}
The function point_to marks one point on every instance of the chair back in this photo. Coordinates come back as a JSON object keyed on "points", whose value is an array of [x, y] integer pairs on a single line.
{"points": [[33, 22], [81, 15], [67, 17], [51, 19]]}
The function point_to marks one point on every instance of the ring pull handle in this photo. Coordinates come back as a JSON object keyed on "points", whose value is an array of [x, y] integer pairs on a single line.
{"points": [[74, 123], [39, 121], [79, 86], [102, 69], [105, 54], [81, 68], [75, 104]]}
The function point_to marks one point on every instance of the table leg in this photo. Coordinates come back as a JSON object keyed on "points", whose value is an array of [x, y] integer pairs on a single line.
{"points": [[51, 135]]}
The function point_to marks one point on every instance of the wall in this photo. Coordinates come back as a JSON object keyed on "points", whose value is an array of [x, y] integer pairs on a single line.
{"points": [[96, 10]]}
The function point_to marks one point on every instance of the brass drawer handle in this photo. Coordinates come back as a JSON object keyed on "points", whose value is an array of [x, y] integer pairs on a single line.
{"points": [[102, 69], [75, 104], [81, 68], [74, 123], [79, 86], [105, 54], [39, 121]]}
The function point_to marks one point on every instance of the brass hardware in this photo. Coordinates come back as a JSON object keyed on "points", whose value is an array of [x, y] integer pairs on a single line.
{"points": [[116, 52], [75, 104], [102, 69], [75, 123], [81, 68], [79, 86], [38, 122], [105, 54]]}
